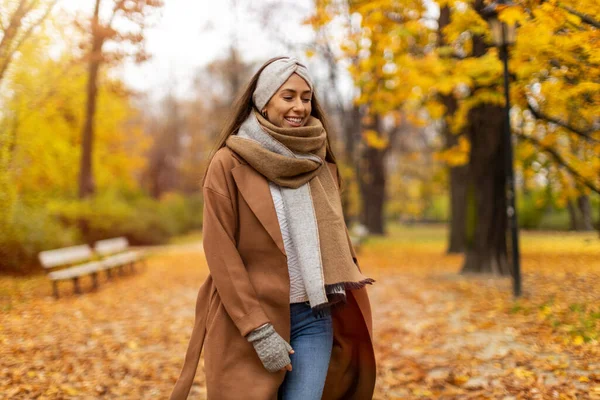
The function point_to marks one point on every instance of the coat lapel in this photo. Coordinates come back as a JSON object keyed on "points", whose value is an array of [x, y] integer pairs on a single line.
{"points": [[255, 191]]}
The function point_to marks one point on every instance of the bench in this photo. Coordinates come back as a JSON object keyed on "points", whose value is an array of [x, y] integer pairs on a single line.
{"points": [[76, 261], [115, 253]]}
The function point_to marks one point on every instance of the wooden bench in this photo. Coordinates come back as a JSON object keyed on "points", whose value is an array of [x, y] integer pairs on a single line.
{"points": [[115, 253], [76, 261]]}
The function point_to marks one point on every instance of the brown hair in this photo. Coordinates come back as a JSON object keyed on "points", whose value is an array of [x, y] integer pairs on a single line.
{"points": [[243, 107]]}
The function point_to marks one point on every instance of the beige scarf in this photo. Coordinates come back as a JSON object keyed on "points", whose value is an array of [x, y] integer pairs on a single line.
{"points": [[293, 158]]}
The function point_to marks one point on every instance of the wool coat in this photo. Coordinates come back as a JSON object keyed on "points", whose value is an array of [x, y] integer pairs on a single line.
{"points": [[248, 286]]}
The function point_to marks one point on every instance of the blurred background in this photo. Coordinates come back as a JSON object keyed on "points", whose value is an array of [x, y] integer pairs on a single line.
{"points": [[109, 110]]}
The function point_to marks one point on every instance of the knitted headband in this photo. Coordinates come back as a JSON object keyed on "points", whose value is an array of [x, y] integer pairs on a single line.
{"points": [[274, 75]]}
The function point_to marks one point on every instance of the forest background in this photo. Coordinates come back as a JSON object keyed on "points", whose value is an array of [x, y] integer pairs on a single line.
{"points": [[414, 90]]}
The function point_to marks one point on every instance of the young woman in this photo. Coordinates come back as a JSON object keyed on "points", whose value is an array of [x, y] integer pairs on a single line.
{"points": [[284, 311]]}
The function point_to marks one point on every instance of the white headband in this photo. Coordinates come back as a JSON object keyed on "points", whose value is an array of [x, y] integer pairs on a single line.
{"points": [[274, 75]]}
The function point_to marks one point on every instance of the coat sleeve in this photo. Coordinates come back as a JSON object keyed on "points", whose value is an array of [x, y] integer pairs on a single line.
{"points": [[225, 263]]}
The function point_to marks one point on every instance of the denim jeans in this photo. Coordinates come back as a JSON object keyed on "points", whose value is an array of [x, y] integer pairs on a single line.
{"points": [[312, 341]]}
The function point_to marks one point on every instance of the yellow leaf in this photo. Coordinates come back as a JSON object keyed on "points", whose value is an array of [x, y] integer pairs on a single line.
{"points": [[373, 139], [71, 391], [460, 379], [522, 373], [436, 110], [512, 15]]}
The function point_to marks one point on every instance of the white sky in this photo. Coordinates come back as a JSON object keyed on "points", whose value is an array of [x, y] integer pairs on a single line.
{"points": [[190, 34]]}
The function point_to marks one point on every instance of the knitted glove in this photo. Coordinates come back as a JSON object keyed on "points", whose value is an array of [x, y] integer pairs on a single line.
{"points": [[271, 348]]}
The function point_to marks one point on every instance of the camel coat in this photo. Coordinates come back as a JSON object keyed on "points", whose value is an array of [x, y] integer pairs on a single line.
{"points": [[248, 286]]}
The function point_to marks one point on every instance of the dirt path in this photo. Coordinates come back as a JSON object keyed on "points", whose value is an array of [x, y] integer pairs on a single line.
{"points": [[434, 341]]}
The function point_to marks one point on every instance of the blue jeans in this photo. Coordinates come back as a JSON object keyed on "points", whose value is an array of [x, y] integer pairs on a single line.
{"points": [[312, 340]]}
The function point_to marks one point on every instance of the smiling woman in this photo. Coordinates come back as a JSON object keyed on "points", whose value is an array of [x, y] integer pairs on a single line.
{"points": [[291, 105], [284, 311]]}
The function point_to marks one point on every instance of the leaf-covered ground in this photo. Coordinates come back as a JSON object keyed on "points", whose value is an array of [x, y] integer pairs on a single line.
{"points": [[438, 334]]}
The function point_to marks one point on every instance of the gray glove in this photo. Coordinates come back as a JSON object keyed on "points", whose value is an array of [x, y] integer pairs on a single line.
{"points": [[272, 350]]}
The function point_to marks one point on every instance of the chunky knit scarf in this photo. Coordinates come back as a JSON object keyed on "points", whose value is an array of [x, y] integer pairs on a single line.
{"points": [[293, 158]]}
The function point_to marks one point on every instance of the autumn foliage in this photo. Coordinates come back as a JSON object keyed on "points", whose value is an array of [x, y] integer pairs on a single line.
{"points": [[407, 57]]}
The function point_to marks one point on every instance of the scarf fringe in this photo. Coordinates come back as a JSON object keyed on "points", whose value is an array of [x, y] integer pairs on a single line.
{"points": [[357, 285], [336, 298]]}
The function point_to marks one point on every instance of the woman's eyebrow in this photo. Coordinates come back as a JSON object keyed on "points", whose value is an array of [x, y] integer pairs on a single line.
{"points": [[293, 91]]}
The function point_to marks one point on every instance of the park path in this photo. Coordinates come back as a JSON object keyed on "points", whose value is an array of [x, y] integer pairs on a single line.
{"points": [[436, 336], [433, 340]]}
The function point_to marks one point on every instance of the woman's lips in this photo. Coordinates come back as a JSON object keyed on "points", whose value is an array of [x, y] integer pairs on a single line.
{"points": [[294, 121]]}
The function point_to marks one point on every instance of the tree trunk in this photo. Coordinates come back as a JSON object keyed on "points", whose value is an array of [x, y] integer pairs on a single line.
{"points": [[585, 209], [486, 244], [351, 132], [573, 217], [155, 178], [458, 189], [9, 36], [580, 214], [598, 225], [372, 180], [458, 175], [372, 183], [235, 76], [86, 173], [487, 248]]}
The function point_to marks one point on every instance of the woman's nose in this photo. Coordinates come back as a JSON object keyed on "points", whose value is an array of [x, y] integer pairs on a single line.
{"points": [[298, 105]]}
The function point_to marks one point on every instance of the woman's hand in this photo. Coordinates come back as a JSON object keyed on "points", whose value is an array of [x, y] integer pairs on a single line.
{"points": [[289, 366], [273, 351]]}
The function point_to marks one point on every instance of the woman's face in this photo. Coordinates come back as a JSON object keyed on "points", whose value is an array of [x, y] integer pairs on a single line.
{"points": [[290, 107]]}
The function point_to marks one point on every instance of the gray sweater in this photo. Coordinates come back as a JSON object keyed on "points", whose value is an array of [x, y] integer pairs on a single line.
{"points": [[297, 290]]}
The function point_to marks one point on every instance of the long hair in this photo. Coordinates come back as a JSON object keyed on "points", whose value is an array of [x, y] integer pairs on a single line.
{"points": [[242, 108]]}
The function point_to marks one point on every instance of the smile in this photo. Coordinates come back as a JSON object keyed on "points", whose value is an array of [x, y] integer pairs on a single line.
{"points": [[296, 121]]}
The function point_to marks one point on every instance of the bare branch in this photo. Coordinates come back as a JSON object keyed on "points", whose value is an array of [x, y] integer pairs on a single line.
{"points": [[560, 160], [584, 134], [584, 17], [12, 41], [34, 25]]}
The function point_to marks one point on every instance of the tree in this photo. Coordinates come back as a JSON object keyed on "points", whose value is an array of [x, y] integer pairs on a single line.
{"points": [[46, 121], [129, 43], [18, 21], [458, 172], [447, 68], [184, 131], [166, 129], [558, 94], [368, 140]]}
